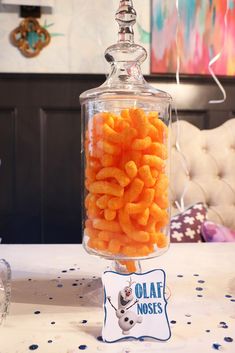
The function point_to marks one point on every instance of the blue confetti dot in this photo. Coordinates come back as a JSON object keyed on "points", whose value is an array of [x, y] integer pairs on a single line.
{"points": [[49, 341], [173, 322], [199, 288], [37, 312], [208, 330], [222, 323], [72, 269], [199, 295], [82, 347], [53, 323], [216, 346], [228, 296], [84, 321], [59, 285], [74, 284], [64, 271], [232, 300], [188, 315], [201, 281], [228, 339], [196, 274], [99, 338], [33, 347], [189, 322]]}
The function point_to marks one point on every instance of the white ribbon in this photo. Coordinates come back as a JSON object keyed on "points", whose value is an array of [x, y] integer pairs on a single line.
{"points": [[215, 58]]}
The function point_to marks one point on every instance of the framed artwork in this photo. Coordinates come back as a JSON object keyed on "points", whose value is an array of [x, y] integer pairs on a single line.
{"points": [[194, 34]]}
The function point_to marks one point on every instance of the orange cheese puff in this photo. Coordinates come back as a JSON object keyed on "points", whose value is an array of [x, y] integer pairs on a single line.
{"points": [[107, 147], [161, 185], [112, 172], [129, 250], [146, 176], [160, 239], [131, 169], [134, 190], [107, 236], [115, 203], [162, 201], [142, 250], [151, 225], [128, 134], [108, 160], [139, 207], [153, 133], [154, 172], [162, 129], [125, 114], [111, 135], [91, 232], [110, 226], [90, 174], [102, 201], [95, 152], [156, 212], [141, 144], [91, 243], [94, 164], [153, 161], [104, 187], [157, 149], [128, 228], [136, 156], [93, 211], [121, 124], [109, 215], [130, 265], [114, 246], [140, 122], [100, 244], [88, 223], [163, 221], [152, 115], [101, 118], [87, 198], [143, 219]]}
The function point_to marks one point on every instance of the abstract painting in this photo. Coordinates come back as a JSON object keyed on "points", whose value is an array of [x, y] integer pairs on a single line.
{"points": [[194, 34]]}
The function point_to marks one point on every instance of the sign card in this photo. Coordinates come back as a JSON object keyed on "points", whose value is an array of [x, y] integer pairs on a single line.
{"points": [[135, 306]]}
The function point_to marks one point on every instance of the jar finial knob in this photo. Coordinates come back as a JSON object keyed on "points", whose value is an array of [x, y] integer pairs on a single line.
{"points": [[126, 18]]}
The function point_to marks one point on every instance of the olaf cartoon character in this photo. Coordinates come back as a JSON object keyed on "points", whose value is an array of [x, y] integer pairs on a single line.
{"points": [[127, 318]]}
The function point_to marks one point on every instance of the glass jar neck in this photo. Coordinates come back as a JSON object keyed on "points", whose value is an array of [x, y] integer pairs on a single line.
{"points": [[125, 73]]}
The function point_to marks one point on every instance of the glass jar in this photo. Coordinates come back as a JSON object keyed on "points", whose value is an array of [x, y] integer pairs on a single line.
{"points": [[125, 147]]}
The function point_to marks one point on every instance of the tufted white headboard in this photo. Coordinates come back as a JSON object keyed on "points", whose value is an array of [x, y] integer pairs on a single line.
{"points": [[203, 169]]}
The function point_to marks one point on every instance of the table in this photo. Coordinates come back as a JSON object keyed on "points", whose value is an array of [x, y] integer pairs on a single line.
{"points": [[57, 300]]}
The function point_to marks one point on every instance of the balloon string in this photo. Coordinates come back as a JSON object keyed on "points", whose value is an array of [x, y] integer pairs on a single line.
{"points": [[179, 204], [215, 58]]}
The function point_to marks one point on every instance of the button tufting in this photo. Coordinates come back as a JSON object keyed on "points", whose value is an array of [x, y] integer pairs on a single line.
{"points": [[205, 149]]}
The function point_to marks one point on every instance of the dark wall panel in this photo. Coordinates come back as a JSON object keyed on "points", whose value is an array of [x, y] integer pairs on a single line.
{"points": [[61, 175]]}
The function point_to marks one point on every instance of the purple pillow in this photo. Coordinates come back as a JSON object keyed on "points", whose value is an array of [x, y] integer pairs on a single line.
{"points": [[186, 226], [213, 232]]}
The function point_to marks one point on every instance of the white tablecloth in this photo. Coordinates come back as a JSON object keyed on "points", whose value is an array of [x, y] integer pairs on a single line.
{"points": [[57, 300]]}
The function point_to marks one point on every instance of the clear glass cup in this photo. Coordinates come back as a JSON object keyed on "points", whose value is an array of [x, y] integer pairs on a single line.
{"points": [[5, 289], [125, 153]]}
